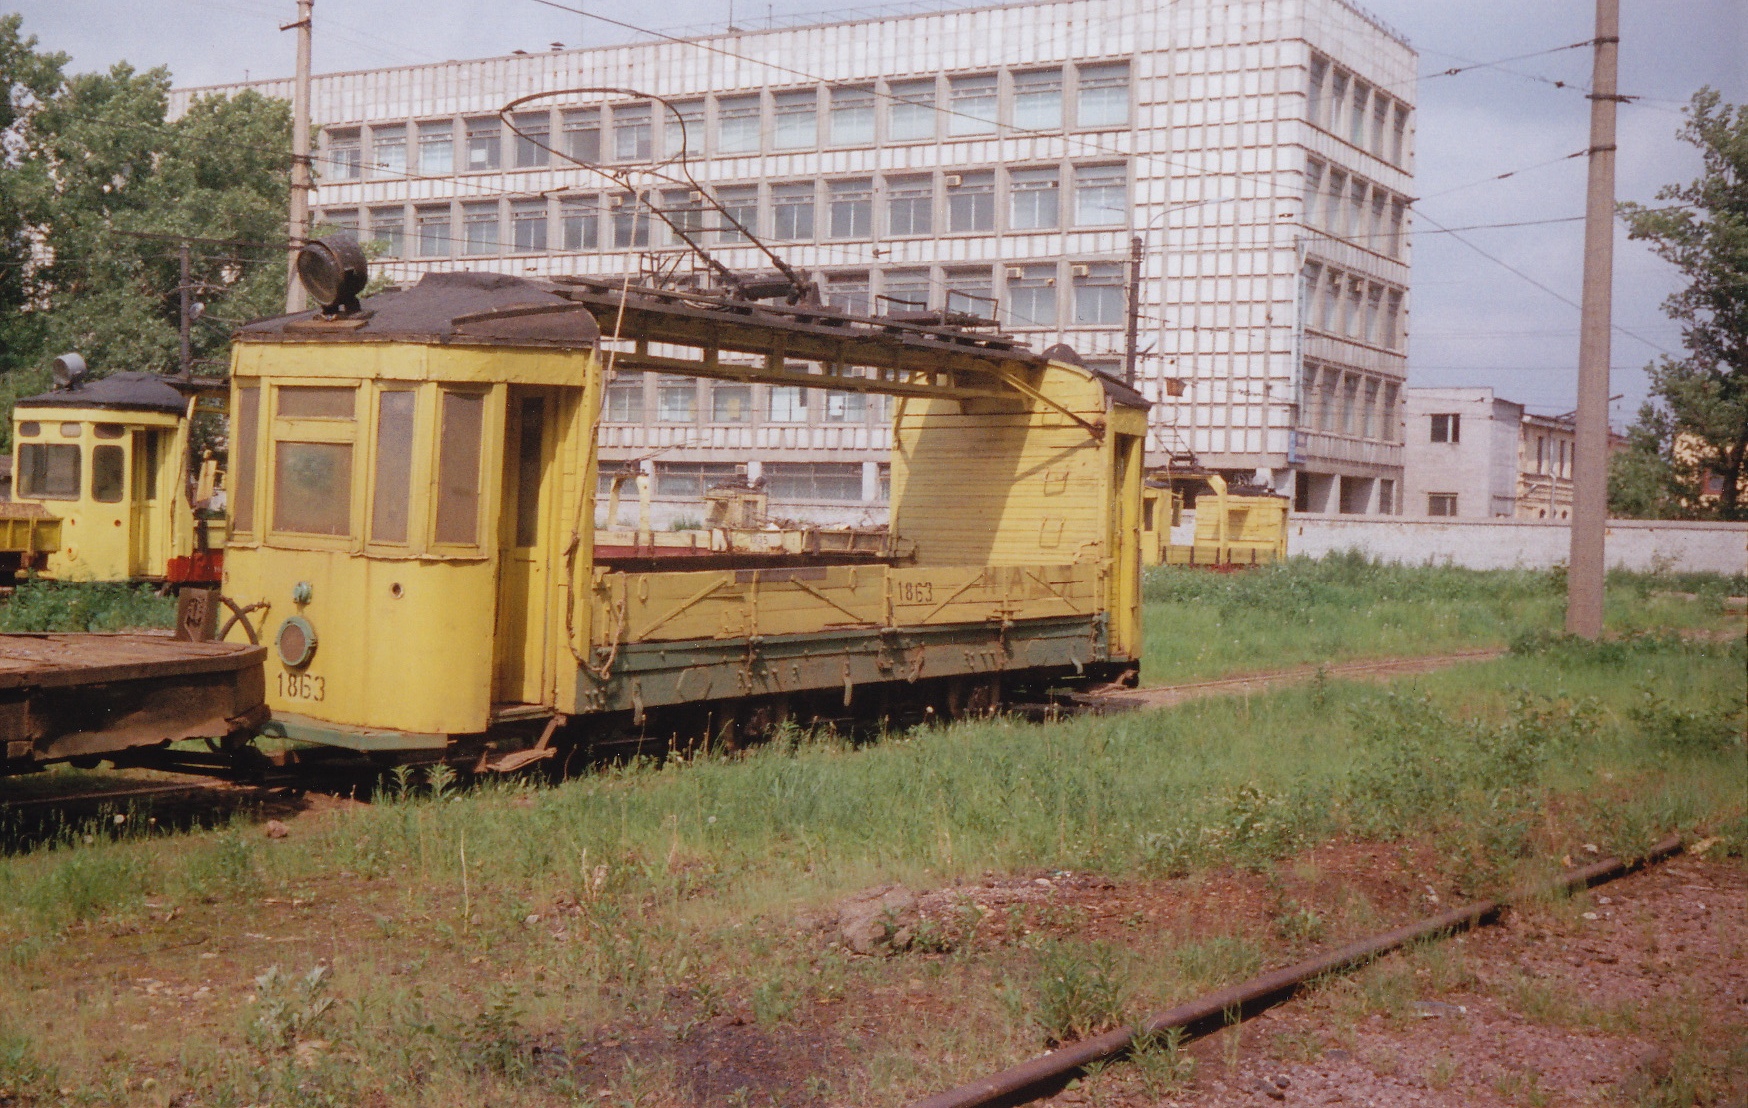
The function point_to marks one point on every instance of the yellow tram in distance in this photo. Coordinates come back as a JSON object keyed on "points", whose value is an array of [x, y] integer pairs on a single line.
{"points": [[412, 525], [100, 471]]}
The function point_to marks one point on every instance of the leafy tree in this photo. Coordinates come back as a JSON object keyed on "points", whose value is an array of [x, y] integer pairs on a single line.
{"points": [[27, 79], [1697, 420], [105, 186]]}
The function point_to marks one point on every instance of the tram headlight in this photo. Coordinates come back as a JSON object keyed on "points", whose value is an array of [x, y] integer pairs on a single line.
{"points": [[333, 271], [296, 641]]}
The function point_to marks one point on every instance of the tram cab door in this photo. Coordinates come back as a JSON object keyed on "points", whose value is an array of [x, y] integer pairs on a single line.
{"points": [[528, 561], [143, 503]]}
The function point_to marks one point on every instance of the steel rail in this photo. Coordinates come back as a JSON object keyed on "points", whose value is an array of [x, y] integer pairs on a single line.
{"points": [[1048, 1073]]}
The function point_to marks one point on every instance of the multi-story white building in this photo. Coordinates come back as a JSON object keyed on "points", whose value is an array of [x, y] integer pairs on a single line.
{"points": [[998, 160]]}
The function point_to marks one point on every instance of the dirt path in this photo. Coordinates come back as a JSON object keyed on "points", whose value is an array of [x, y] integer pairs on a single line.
{"points": [[1377, 669]]}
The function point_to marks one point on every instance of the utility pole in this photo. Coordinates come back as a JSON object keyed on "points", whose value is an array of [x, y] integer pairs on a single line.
{"points": [[182, 288], [1132, 337], [1590, 462], [298, 226]]}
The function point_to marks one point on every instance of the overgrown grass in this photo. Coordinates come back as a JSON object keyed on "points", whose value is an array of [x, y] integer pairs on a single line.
{"points": [[469, 926], [1201, 624], [85, 606]]}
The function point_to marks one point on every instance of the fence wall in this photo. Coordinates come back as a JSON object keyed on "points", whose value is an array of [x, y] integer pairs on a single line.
{"points": [[1503, 544]]}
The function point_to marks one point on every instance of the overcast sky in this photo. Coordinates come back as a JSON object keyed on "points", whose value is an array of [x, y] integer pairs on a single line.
{"points": [[1475, 322]]}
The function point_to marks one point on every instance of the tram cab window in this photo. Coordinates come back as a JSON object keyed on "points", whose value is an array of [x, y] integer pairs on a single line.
{"points": [[306, 402], [29, 429], [395, 410], [48, 472], [108, 474], [71, 430], [243, 433], [312, 459], [458, 463], [108, 430]]}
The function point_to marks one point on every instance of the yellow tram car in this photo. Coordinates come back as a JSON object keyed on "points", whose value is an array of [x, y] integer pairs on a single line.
{"points": [[100, 478], [412, 491]]}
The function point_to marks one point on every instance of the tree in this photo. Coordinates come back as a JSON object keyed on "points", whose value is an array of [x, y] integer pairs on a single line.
{"points": [[105, 186], [27, 79], [1696, 424]]}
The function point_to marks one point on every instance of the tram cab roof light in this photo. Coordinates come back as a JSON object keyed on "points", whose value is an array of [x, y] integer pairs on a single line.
{"points": [[68, 370], [333, 271]]}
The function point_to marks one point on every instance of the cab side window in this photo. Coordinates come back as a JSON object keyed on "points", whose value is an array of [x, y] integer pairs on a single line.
{"points": [[312, 459], [458, 462]]}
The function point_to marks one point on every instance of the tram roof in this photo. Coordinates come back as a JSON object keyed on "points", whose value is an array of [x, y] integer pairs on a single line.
{"points": [[684, 332], [126, 391]]}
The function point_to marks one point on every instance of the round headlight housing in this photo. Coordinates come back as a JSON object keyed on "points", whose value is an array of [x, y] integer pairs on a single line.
{"points": [[296, 642]]}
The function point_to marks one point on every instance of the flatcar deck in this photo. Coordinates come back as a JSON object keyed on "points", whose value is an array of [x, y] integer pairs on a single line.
{"points": [[78, 696]]}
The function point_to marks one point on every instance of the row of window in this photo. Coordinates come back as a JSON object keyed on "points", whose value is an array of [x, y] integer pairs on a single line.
{"points": [[1348, 206], [784, 481], [912, 205], [1352, 306], [55, 470], [681, 399], [1343, 104], [1040, 295], [316, 434], [1346, 402], [1085, 97], [1553, 456]]}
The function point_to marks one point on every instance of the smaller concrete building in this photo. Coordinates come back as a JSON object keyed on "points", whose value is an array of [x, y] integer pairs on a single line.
{"points": [[1544, 467], [1469, 454]]}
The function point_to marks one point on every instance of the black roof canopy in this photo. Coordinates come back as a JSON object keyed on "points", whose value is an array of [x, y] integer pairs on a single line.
{"points": [[127, 391]]}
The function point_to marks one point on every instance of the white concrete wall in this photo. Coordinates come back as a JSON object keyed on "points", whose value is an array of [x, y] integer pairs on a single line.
{"points": [[1505, 544]]}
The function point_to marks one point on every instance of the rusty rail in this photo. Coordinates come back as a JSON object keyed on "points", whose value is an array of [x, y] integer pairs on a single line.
{"points": [[1048, 1073]]}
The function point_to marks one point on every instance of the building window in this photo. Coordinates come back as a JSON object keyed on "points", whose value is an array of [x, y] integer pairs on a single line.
{"points": [[971, 202], [676, 399], [1386, 496], [533, 136], [852, 116], [846, 407], [1399, 137], [788, 404], [683, 129], [479, 228], [1447, 427], [1101, 196], [1316, 102], [1104, 96], [528, 226], [852, 209], [691, 480], [796, 120], [579, 220], [971, 291], [624, 400], [911, 111], [437, 148], [345, 156], [740, 213], [388, 151], [1356, 129], [582, 135], [814, 480], [631, 133], [630, 221], [1098, 293], [684, 212], [731, 403], [1038, 100], [1033, 199], [388, 231], [792, 211], [737, 125], [848, 292], [1032, 296], [910, 205], [485, 139], [1313, 193], [1441, 503], [971, 102], [905, 291], [431, 225]]}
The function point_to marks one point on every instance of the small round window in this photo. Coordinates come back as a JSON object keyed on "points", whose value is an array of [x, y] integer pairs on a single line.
{"points": [[71, 430], [29, 429]]}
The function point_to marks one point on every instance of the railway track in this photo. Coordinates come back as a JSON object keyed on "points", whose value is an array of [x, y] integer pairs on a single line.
{"points": [[1164, 696]]}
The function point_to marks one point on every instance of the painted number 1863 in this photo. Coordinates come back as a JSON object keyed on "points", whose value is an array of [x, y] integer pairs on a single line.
{"points": [[916, 592], [301, 686]]}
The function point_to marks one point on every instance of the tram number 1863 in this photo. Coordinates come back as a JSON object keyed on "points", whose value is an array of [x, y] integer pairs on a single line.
{"points": [[916, 592], [301, 686]]}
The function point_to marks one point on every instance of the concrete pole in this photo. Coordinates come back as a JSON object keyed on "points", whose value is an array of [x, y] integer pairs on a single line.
{"points": [[298, 227], [1133, 335], [1590, 464]]}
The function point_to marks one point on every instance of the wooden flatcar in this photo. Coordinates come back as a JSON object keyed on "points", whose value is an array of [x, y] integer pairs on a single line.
{"points": [[412, 491], [100, 484]]}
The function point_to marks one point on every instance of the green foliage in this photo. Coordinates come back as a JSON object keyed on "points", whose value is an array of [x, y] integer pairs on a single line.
{"points": [[1688, 728], [1696, 424], [1080, 989], [287, 1009], [1161, 1063], [86, 885], [57, 606], [495, 1035], [97, 165]]}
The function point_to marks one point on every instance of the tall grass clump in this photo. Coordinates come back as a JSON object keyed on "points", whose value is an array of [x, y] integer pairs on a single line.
{"points": [[38, 605]]}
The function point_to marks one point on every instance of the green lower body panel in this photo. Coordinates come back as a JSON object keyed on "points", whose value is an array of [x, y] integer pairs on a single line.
{"points": [[300, 729], [650, 675]]}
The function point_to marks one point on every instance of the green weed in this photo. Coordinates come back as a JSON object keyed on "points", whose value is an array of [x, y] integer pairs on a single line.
{"points": [[286, 1009], [1080, 989], [57, 606]]}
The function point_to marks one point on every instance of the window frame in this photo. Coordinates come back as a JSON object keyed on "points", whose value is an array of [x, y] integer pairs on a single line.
{"points": [[300, 430]]}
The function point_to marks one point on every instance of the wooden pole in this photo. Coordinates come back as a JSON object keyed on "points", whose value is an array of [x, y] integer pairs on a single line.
{"points": [[299, 224], [1590, 463]]}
